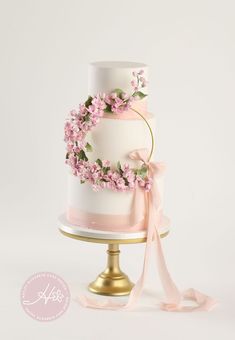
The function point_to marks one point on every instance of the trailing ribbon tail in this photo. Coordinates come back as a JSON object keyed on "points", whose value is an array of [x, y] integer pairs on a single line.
{"points": [[154, 217]]}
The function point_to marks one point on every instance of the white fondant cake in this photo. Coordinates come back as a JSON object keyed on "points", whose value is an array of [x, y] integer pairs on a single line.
{"points": [[109, 75], [112, 139]]}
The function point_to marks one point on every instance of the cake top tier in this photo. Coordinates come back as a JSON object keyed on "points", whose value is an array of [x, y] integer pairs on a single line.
{"points": [[106, 76]]}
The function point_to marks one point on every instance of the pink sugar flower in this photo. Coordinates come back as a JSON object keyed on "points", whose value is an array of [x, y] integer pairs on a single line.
{"points": [[85, 127], [73, 113], [98, 103], [72, 160], [96, 187], [82, 110], [109, 174], [68, 132], [108, 99], [94, 120], [94, 167], [106, 178], [118, 106], [80, 146], [79, 136], [69, 147], [131, 185], [133, 83], [106, 163], [120, 183], [68, 126], [81, 167], [92, 109], [130, 176], [102, 184], [140, 181], [111, 185], [97, 107], [95, 176], [148, 184], [74, 172], [141, 72], [76, 149], [114, 175], [77, 122], [125, 167]]}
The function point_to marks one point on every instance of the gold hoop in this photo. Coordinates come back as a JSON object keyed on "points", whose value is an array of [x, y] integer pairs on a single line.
{"points": [[150, 130]]}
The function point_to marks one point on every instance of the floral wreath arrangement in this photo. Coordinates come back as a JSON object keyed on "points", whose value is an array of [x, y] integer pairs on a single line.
{"points": [[100, 174]]}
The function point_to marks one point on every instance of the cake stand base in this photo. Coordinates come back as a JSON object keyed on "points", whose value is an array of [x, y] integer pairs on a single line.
{"points": [[112, 281]]}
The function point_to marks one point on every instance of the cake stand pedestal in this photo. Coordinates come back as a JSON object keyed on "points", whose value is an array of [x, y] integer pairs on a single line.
{"points": [[112, 281]]}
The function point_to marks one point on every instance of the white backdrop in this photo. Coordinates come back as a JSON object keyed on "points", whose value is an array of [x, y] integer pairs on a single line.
{"points": [[189, 47]]}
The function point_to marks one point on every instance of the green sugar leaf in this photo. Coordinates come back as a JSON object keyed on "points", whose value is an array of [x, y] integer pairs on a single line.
{"points": [[108, 108], [142, 172], [119, 167], [87, 117], [126, 181], [88, 101], [99, 162], [88, 147], [103, 180], [140, 94], [119, 92], [106, 169], [82, 156]]}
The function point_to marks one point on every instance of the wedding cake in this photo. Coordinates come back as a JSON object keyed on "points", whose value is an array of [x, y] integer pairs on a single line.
{"points": [[110, 204], [114, 182]]}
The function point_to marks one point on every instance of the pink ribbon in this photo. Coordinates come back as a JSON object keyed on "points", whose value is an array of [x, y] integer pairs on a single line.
{"points": [[96, 221], [139, 105], [174, 297]]}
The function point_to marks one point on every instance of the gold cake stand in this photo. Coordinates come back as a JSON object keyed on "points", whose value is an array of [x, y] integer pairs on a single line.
{"points": [[112, 281]]}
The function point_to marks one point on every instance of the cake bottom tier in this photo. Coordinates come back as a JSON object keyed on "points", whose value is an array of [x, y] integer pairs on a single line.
{"points": [[107, 210]]}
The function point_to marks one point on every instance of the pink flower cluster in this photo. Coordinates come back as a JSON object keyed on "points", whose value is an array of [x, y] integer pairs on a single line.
{"points": [[81, 121], [101, 176], [118, 104], [140, 81]]}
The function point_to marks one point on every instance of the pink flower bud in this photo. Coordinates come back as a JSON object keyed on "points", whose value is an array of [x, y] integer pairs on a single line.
{"points": [[133, 83], [113, 95]]}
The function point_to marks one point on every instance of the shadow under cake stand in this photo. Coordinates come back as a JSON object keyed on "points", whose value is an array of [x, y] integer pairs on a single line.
{"points": [[112, 281]]}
